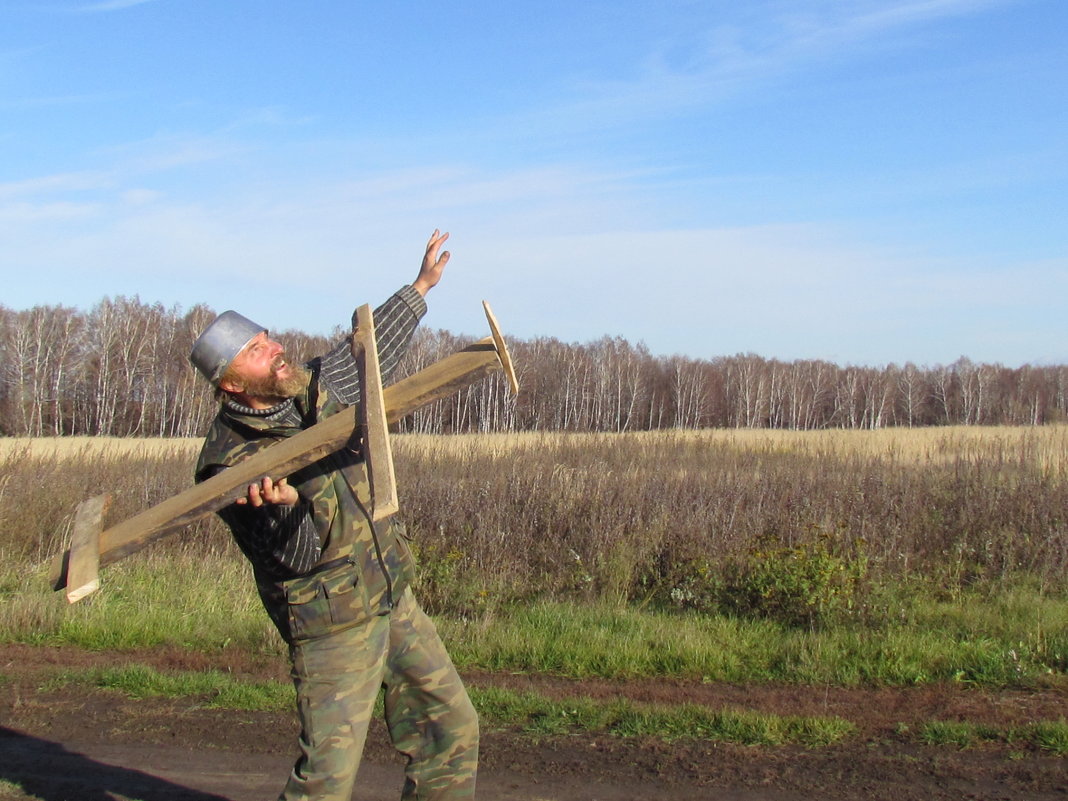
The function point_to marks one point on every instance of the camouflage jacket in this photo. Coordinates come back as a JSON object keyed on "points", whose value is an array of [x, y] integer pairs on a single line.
{"points": [[354, 569]]}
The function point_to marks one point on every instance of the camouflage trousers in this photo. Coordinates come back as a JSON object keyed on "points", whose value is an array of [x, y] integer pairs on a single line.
{"points": [[428, 713]]}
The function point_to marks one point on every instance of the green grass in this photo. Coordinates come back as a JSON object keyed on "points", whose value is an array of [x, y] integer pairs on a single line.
{"points": [[1047, 735], [14, 791], [532, 713], [145, 601], [219, 689], [540, 716], [535, 714], [1017, 637], [1051, 736], [1017, 640]]}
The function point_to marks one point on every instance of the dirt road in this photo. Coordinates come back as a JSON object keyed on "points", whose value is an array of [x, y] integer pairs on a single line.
{"points": [[71, 743]]}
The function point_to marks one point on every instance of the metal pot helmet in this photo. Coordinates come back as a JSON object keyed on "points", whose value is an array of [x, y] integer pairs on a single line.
{"points": [[221, 342]]}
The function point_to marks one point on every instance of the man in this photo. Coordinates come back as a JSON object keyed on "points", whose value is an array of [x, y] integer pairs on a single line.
{"points": [[336, 585]]}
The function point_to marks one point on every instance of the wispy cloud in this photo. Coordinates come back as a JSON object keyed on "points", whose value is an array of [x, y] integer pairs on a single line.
{"points": [[882, 17], [58, 184], [703, 66], [835, 29], [124, 165], [170, 151], [16, 54], [269, 117], [830, 294], [111, 5], [20, 214], [832, 29], [800, 291], [48, 101]]}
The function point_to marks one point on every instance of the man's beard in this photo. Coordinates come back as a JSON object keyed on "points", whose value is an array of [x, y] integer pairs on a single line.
{"points": [[272, 388]]}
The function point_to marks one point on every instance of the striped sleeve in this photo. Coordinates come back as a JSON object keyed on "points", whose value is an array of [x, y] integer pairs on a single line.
{"points": [[278, 540], [395, 324]]}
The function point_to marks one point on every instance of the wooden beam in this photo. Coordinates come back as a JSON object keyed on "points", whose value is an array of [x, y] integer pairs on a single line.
{"points": [[371, 415], [285, 457], [502, 349], [85, 547]]}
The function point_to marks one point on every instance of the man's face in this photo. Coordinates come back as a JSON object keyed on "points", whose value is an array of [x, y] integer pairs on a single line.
{"points": [[260, 372]]}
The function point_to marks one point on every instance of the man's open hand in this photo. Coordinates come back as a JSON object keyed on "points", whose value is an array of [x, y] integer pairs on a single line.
{"points": [[433, 263]]}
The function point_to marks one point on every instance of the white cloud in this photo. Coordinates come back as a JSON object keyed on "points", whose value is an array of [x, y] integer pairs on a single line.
{"points": [[170, 151], [883, 16], [726, 57], [268, 117], [783, 291], [780, 291], [47, 101], [558, 251], [139, 197], [60, 183], [111, 5], [24, 213]]}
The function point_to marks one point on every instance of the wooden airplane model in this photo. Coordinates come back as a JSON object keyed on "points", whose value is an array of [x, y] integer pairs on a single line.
{"points": [[77, 568]]}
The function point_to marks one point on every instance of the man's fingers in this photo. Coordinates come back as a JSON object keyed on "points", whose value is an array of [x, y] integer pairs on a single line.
{"points": [[436, 241], [254, 495], [267, 491]]}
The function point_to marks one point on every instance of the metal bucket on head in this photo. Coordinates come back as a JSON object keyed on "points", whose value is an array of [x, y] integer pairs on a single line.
{"points": [[220, 343]]}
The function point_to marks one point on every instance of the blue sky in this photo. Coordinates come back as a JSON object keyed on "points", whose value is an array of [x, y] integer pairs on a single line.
{"points": [[861, 181]]}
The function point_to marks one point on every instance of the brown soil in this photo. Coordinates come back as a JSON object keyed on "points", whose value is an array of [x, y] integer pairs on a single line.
{"points": [[79, 744]]}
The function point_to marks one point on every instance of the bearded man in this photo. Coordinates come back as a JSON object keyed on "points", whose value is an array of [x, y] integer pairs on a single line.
{"points": [[335, 583]]}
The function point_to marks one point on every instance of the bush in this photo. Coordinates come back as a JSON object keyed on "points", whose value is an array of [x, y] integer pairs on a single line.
{"points": [[800, 585]]}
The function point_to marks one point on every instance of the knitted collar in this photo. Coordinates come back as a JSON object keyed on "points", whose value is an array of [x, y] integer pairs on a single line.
{"points": [[275, 412]]}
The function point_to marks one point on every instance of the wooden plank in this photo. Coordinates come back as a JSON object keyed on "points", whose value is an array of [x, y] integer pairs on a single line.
{"points": [[377, 451], [502, 349], [85, 547], [285, 457]]}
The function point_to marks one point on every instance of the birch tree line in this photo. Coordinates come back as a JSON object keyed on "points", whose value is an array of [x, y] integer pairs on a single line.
{"points": [[121, 369]]}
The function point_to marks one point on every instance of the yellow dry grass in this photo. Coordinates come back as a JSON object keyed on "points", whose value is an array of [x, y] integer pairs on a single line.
{"points": [[1045, 446], [95, 447]]}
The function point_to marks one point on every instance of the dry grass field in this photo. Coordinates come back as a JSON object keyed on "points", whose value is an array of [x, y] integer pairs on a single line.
{"points": [[1044, 447], [93, 447], [801, 527], [633, 516], [902, 589]]}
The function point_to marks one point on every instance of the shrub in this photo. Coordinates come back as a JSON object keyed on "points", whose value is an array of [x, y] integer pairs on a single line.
{"points": [[800, 585]]}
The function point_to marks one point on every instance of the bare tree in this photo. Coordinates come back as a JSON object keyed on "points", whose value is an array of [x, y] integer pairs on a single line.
{"points": [[122, 368]]}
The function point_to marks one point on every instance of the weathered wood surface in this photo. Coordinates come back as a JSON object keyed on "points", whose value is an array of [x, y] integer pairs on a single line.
{"points": [[285, 457], [371, 416], [83, 575], [502, 349]]}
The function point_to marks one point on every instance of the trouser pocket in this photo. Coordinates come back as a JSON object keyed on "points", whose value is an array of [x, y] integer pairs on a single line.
{"points": [[324, 602]]}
